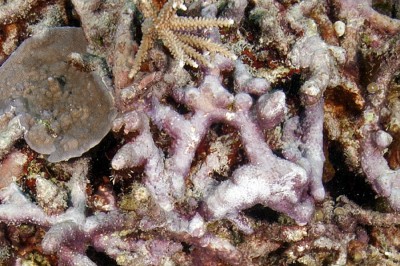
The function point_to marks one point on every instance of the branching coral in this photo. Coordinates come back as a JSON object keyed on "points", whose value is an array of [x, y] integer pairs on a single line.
{"points": [[170, 28], [383, 179], [233, 163], [68, 232], [278, 184]]}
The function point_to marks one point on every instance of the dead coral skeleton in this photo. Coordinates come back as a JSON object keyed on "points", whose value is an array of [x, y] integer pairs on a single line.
{"points": [[170, 28]]}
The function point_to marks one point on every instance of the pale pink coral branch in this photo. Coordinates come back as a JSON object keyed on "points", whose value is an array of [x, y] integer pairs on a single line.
{"points": [[384, 180], [69, 233]]}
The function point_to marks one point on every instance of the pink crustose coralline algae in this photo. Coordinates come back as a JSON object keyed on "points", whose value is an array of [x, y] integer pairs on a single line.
{"points": [[228, 132]]}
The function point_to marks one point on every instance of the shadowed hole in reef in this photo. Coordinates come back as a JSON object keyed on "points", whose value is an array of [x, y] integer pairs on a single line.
{"points": [[100, 172], [162, 140], [100, 258], [348, 183], [263, 213], [222, 144], [187, 248], [179, 107], [101, 156]]}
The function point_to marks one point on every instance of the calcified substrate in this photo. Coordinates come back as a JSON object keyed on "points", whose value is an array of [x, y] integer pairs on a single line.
{"points": [[200, 154]]}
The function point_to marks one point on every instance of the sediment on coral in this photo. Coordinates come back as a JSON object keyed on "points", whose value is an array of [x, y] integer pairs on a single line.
{"points": [[181, 132]]}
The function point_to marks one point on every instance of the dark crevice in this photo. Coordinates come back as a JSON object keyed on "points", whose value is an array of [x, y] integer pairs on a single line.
{"points": [[346, 182], [260, 212], [100, 258]]}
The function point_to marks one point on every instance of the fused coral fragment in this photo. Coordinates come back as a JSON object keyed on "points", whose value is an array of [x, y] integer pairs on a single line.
{"points": [[64, 111], [172, 30]]}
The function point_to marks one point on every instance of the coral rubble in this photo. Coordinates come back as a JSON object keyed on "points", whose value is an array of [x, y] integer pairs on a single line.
{"points": [[180, 132]]}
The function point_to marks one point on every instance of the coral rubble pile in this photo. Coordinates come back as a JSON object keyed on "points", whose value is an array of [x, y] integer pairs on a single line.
{"points": [[227, 132]]}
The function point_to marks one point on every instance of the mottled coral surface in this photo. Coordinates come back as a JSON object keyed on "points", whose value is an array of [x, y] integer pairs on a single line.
{"points": [[64, 110], [226, 132]]}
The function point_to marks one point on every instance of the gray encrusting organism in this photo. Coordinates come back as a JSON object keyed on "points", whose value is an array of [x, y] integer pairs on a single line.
{"points": [[63, 108]]}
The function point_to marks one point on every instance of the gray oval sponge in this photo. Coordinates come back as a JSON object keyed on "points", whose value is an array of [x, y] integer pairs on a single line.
{"points": [[66, 110]]}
